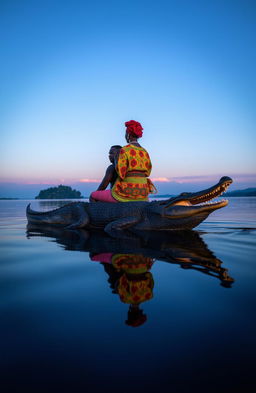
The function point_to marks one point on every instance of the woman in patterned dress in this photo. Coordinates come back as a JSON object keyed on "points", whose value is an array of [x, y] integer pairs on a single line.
{"points": [[133, 166]]}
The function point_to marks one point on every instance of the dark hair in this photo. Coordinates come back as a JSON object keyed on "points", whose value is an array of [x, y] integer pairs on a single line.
{"points": [[116, 147]]}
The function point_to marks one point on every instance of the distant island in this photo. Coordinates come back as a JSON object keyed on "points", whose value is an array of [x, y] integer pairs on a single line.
{"points": [[60, 192], [241, 193]]}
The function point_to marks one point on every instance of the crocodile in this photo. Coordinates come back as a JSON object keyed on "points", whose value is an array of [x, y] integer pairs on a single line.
{"points": [[184, 211], [186, 249]]}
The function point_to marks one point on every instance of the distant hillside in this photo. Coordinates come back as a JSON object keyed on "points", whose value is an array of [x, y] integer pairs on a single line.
{"points": [[162, 196], [241, 193], [60, 192], [8, 199]]}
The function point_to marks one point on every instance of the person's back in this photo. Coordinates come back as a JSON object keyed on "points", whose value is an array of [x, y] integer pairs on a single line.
{"points": [[133, 166]]}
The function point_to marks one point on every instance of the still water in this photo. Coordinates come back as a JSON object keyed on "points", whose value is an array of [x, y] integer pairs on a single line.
{"points": [[84, 312]]}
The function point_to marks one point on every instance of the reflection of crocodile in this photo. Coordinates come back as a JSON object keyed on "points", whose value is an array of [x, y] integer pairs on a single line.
{"points": [[185, 248], [182, 212]]}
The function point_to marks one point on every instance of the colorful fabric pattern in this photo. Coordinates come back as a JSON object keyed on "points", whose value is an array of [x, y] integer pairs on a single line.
{"points": [[133, 168], [132, 263], [135, 291], [136, 284]]}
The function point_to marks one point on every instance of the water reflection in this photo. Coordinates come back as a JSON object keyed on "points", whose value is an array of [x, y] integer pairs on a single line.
{"points": [[128, 259], [130, 278]]}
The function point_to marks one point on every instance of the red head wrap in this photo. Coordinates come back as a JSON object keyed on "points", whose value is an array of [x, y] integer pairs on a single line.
{"points": [[136, 317], [134, 128]]}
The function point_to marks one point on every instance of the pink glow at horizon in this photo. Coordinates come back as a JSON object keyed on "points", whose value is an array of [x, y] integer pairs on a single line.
{"points": [[238, 178], [89, 180], [185, 72], [161, 179]]}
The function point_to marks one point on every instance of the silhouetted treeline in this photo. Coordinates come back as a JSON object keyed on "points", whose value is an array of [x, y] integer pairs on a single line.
{"points": [[60, 192]]}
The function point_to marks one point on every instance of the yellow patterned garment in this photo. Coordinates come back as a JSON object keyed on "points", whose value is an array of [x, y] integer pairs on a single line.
{"points": [[133, 168], [136, 284], [132, 263], [134, 291]]}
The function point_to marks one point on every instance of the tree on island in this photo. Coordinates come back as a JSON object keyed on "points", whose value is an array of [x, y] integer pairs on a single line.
{"points": [[60, 192]]}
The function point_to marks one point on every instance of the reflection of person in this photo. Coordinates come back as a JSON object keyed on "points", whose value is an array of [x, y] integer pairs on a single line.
{"points": [[136, 284], [110, 174], [130, 278], [135, 316], [133, 166]]}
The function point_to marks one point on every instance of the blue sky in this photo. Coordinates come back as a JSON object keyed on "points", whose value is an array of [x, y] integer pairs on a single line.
{"points": [[72, 72]]}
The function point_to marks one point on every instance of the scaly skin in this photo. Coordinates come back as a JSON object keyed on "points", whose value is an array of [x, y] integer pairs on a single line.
{"points": [[181, 212]]}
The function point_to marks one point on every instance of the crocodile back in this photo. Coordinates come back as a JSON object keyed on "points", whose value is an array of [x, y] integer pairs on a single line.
{"points": [[101, 213]]}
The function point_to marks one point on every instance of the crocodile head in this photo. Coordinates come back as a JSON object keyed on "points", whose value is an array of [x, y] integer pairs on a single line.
{"points": [[195, 206]]}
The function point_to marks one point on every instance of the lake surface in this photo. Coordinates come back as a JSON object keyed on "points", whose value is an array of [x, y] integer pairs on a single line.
{"points": [[84, 312]]}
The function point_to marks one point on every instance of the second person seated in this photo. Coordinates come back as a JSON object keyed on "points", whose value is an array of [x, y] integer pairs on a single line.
{"points": [[133, 166]]}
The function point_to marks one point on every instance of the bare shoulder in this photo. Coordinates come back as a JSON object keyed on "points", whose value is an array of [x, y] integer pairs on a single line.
{"points": [[110, 168]]}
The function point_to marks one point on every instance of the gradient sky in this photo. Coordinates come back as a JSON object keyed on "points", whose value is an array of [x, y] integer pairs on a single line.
{"points": [[72, 72]]}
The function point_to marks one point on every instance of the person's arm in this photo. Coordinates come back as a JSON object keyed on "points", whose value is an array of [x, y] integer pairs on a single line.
{"points": [[107, 178], [121, 163]]}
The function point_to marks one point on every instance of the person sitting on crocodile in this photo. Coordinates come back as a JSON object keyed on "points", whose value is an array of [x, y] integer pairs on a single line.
{"points": [[133, 166], [110, 174]]}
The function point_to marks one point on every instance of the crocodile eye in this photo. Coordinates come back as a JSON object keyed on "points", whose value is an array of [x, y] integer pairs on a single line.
{"points": [[184, 193]]}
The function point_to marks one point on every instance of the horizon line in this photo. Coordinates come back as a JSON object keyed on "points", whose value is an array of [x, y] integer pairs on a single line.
{"points": [[174, 179]]}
